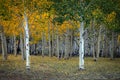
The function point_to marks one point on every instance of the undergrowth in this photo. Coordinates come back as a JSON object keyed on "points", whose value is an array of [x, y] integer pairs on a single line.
{"points": [[46, 68]]}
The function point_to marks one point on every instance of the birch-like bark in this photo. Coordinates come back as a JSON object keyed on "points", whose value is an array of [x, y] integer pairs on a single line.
{"points": [[49, 39], [4, 46], [57, 38], [53, 40], [106, 46], [81, 46], [66, 56], [53, 47], [43, 38], [71, 45], [11, 44], [15, 49], [112, 46], [103, 45], [61, 47], [58, 55], [98, 42], [93, 41], [5, 41], [93, 50], [27, 42]]}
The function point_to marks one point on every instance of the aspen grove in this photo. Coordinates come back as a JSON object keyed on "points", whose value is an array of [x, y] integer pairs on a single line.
{"points": [[60, 28]]}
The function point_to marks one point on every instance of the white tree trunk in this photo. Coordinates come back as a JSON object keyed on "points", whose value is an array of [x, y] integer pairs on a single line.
{"points": [[81, 46], [27, 42]]}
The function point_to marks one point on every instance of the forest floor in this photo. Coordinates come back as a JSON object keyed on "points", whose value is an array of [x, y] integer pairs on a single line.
{"points": [[45, 68]]}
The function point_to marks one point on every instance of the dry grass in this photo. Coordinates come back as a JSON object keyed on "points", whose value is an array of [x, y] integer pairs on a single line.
{"points": [[53, 69]]}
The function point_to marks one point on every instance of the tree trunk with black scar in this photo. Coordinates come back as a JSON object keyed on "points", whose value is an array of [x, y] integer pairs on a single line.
{"points": [[27, 42], [81, 46]]}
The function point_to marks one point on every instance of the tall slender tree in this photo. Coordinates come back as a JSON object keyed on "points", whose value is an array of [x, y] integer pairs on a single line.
{"points": [[73, 10]]}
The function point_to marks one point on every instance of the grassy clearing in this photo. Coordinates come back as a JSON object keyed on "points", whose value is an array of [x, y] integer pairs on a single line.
{"points": [[53, 69]]}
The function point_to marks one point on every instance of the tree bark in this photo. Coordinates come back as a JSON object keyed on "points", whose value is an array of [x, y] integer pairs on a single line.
{"points": [[66, 56], [61, 47], [71, 45], [58, 55], [93, 40], [4, 46], [106, 46], [43, 38], [27, 42], [49, 39], [81, 46], [93, 51], [112, 46], [98, 42], [53, 40], [15, 47]]}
